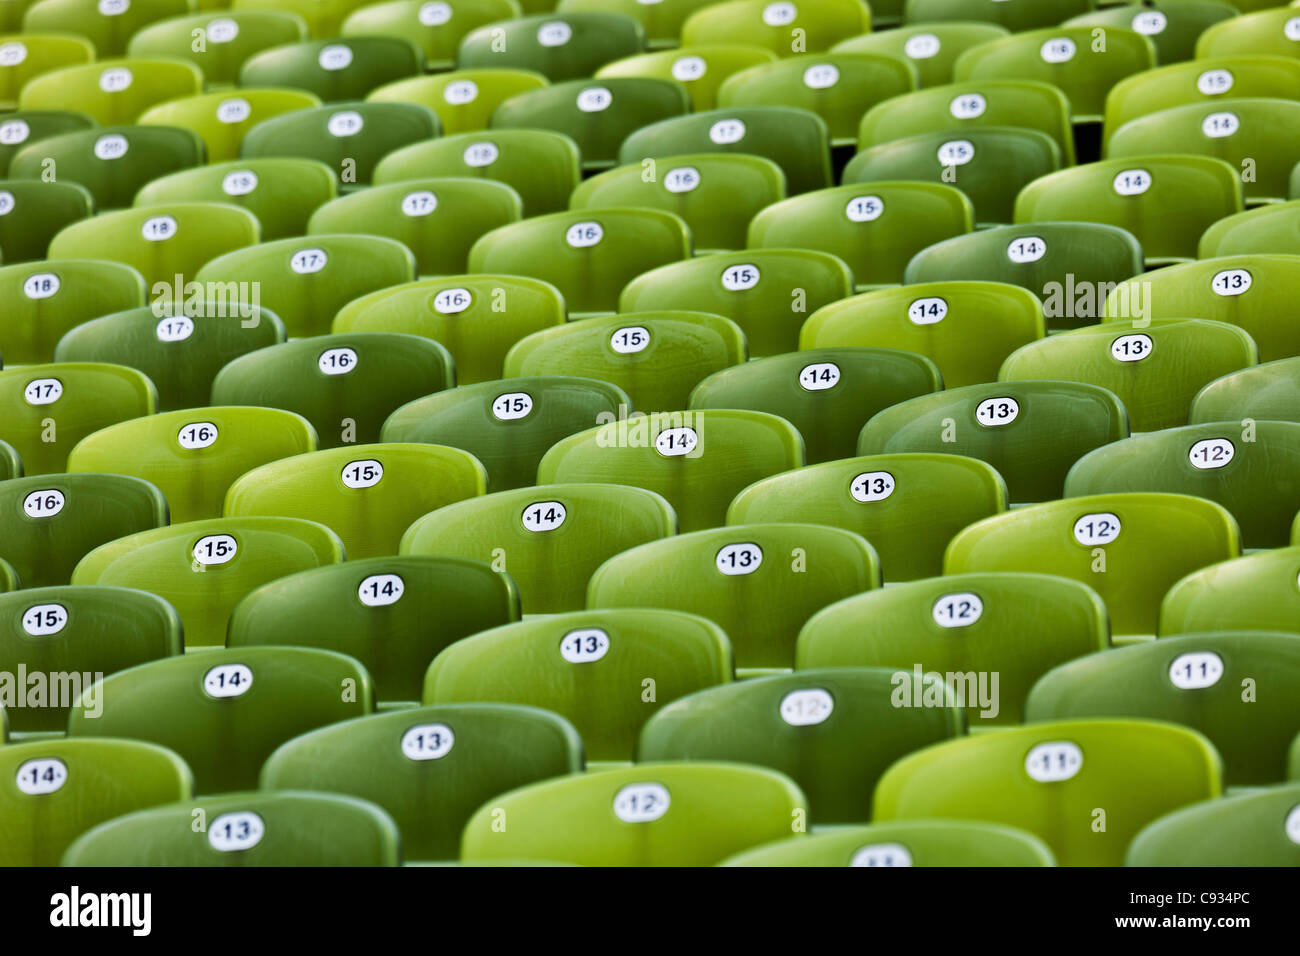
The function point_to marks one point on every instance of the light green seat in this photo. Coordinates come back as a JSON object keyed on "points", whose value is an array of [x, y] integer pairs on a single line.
{"points": [[1258, 31], [990, 164], [1056, 780], [453, 758], [1257, 136], [1172, 25], [946, 843], [541, 166], [1031, 432], [1274, 228], [27, 55], [46, 409], [876, 228], [827, 394], [989, 636], [588, 255], [1201, 81], [108, 26], [767, 292], [1071, 266], [1268, 391], [657, 358], [1066, 57], [932, 48], [1252, 469], [550, 540], [701, 69], [508, 425], [1258, 828], [966, 328], [393, 614], [72, 635], [795, 139], [349, 137], [22, 128], [437, 27], [1250, 292], [959, 106], [162, 243], [180, 347], [907, 506], [1238, 689], [111, 162], [194, 454], [324, 18], [662, 814], [52, 791], [256, 828], [306, 281], [462, 99], [759, 583], [217, 41], [1155, 368], [838, 87], [226, 710], [1256, 592], [366, 494], [808, 26], [345, 384], [560, 46], [31, 212], [1128, 547], [112, 91], [477, 318], [698, 460], [223, 119], [607, 671], [833, 732], [715, 194], [51, 521], [661, 20], [281, 193], [1016, 15], [1165, 202], [342, 68], [597, 115]]}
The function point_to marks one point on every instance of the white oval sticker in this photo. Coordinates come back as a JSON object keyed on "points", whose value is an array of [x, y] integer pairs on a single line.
{"points": [[12, 53], [822, 76], [197, 435], [968, 106], [239, 183], [233, 832], [111, 147], [435, 14], [882, 854], [13, 132], [806, 708], [727, 131], [41, 776], [584, 646], [512, 406], [1215, 82], [1058, 50], [677, 442], [345, 123], [595, 99], [864, 209], [740, 277], [223, 30], [428, 742], [44, 504], [927, 311], [43, 391], [228, 680], [739, 559], [234, 111], [1196, 671], [308, 261], [956, 152], [993, 412], [159, 228], [554, 33], [42, 620], [460, 92], [583, 235], [819, 376], [543, 516], [960, 609], [115, 80], [1132, 182], [683, 179], [1054, 762], [922, 46], [452, 301], [1211, 453], [363, 473], [1131, 348], [482, 154], [1220, 125], [215, 549], [872, 486], [1231, 282], [1150, 22], [41, 285], [630, 339], [334, 57], [1094, 530], [420, 203], [339, 361], [1027, 249], [687, 68], [641, 802], [381, 590], [174, 329]]}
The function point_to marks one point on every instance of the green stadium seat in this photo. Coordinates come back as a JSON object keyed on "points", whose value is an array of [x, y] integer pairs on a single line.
{"points": [[107, 25], [71, 635], [217, 41], [932, 48], [438, 26], [1016, 626], [541, 166], [990, 164], [664, 814], [245, 829], [11, 465], [605, 671], [111, 91], [52, 791], [1154, 367], [876, 228], [784, 27], [662, 21], [31, 212], [334, 488], [462, 99], [1258, 828], [1238, 689], [393, 614], [833, 732], [1172, 25], [52, 521], [1128, 547], [22, 128], [700, 69], [1056, 780], [587, 255], [226, 710], [1268, 391], [597, 116], [1252, 593], [455, 758], [759, 583], [306, 281], [1031, 432], [193, 455], [8, 582], [508, 425], [550, 540], [27, 55], [560, 46], [698, 460], [324, 18], [340, 68], [908, 506], [223, 119], [966, 328], [767, 292], [46, 409], [827, 394], [1274, 228], [1258, 31], [1015, 15], [945, 843]]}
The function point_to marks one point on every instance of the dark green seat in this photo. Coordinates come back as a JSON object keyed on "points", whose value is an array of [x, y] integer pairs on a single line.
{"points": [[945, 843], [225, 39], [1274, 228], [31, 212], [343, 68], [22, 128], [1172, 25], [1259, 828], [560, 46], [932, 48], [700, 68], [438, 27]]}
